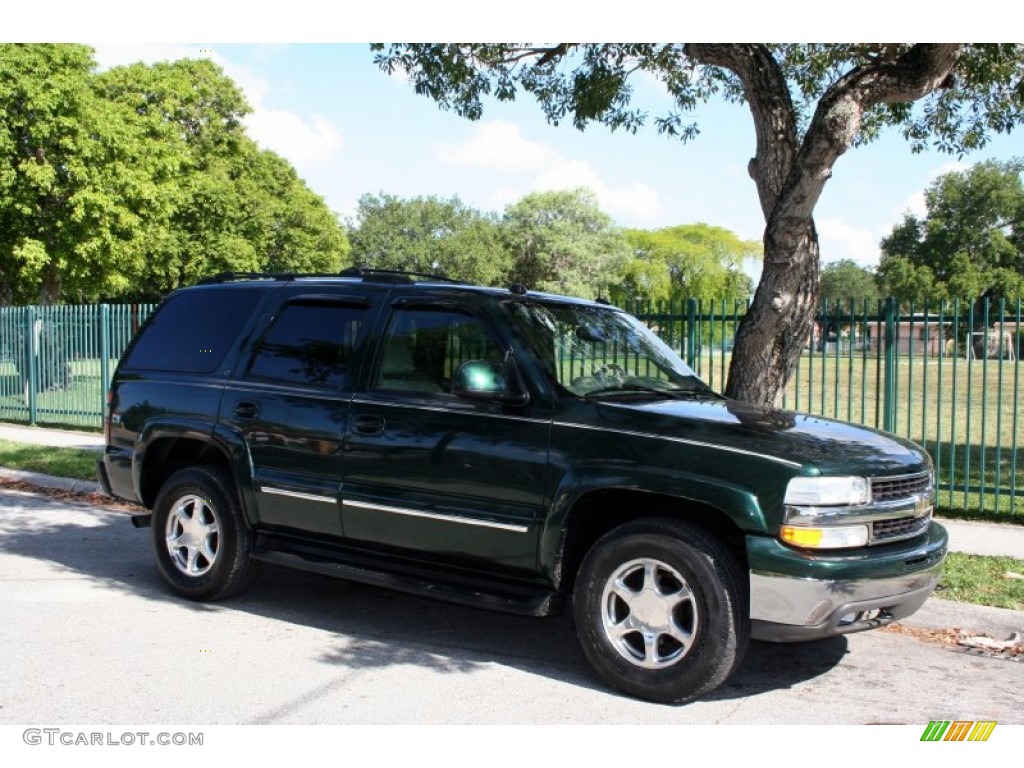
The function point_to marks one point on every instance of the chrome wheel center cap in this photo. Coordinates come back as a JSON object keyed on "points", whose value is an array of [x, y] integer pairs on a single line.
{"points": [[650, 611], [193, 534]]}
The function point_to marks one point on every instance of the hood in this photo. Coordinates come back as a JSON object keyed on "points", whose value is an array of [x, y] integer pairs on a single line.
{"points": [[834, 447]]}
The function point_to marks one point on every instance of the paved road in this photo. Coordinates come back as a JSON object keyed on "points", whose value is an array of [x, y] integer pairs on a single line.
{"points": [[89, 635]]}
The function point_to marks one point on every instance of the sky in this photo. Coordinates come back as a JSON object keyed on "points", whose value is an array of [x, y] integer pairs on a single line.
{"points": [[350, 129]]}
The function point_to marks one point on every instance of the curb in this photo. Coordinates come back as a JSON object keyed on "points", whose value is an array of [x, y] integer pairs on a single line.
{"points": [[51, 481], [940, 614]]}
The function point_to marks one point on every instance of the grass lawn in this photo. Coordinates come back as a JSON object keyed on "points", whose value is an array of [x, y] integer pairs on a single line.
{"points": [[995, 581], [63, 462]]}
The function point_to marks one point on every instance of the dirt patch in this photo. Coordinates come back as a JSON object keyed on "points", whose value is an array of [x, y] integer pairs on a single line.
{"points": [[956, 639], [95, 499]]}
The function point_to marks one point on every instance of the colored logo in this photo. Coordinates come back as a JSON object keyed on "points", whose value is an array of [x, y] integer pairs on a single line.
{"points": [[958, 730]]}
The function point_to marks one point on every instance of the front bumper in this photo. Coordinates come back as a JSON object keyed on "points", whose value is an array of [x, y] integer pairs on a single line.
{"points": [[800, 596]]}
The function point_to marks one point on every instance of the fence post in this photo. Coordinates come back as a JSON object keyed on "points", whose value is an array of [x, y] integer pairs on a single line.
{"points": [[691, 333], [104, 359], [32, 349], [889, 400]]}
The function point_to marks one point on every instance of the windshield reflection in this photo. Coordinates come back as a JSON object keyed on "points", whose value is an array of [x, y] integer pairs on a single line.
{"points": [[591, 351]]}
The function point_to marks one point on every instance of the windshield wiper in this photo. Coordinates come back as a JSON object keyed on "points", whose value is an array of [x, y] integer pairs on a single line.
{"points": [[670, 394]]}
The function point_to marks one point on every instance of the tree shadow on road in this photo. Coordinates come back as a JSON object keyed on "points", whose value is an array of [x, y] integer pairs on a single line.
{"points": [[374, 628]]}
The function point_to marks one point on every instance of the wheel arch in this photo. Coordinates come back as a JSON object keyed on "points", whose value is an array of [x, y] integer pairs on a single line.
{"points": [[165, 449], [597, 511]]}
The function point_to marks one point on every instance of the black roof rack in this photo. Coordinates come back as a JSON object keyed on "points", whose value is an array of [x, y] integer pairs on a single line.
{"points": [[226, 277], [396, 275], [366, 273]]}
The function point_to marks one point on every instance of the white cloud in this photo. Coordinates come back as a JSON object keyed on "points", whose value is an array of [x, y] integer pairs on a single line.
{"points": [[915, 203], [307, 142], [840, 240], [119, 54], [497, 145], [502, 197], [634, 201]]}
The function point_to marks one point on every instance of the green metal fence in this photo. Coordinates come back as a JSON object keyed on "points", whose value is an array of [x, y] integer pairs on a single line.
{"points": [[56, 362], [946, 375]]}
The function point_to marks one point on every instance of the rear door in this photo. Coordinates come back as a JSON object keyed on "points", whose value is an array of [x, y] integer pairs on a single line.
{"points": [[290, 402]]}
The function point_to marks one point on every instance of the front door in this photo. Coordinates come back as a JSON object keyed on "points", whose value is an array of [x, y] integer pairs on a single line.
{"points": [[430, 472]]}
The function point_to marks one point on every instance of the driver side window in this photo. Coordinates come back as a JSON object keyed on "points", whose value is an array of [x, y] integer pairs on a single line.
{"points": [[424, 347]]}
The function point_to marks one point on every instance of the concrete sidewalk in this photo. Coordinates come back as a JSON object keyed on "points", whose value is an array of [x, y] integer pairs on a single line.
{"points": [[92, 441], [975, 538]]}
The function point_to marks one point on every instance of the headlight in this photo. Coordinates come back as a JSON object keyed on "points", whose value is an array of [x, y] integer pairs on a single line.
{"points": [[827, 492]]}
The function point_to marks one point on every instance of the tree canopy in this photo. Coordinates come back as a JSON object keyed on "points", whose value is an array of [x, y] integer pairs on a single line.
{"points": [[131, 182], [687, 261], [969, 244], [562, 242], [808, 103], [845, 281], [429, 235]]}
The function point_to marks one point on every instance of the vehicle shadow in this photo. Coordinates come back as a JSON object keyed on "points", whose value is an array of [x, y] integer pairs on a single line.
{"points": [[374, 628]]}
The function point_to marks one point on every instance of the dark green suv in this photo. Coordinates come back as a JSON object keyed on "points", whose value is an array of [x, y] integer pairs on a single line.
{"points": [[509, 450]]}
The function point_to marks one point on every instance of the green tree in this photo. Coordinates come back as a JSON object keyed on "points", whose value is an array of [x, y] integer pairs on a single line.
{"points": [[75, 178], [228, 204], [428, 234], [909, 283], [809, 104], [292, 227], [562, 242], [971, 241], [846, 281], [697, 260], [134, 181]]}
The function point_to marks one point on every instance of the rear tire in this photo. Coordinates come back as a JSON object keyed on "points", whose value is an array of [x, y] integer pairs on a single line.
{"points": [[201, 540], [661, 610]]}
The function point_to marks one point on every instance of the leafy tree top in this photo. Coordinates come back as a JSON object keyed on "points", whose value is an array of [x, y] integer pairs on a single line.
{"points": [[969, 243], [588, 83]]}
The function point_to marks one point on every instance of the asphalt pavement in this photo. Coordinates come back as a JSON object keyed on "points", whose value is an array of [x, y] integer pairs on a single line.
{"points": [[299, 648], [91, 635]]}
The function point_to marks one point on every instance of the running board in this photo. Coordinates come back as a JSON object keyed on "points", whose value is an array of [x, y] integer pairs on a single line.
{"points": [[475, 592]]}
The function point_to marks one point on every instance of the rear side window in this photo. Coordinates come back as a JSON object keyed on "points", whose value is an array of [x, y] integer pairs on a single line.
{"points": [[309, 344], [192, 331]]}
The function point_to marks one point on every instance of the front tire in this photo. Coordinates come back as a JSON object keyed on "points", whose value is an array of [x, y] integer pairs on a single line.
{"points": [[661, 610], [201, 540]]}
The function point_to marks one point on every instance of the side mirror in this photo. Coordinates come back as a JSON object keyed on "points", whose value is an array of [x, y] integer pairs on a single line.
{"points": [[489, 382]]}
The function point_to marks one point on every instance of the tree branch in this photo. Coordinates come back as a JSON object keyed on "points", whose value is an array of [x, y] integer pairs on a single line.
{"points": [[919, 71], [546, 55], [767, 94]]}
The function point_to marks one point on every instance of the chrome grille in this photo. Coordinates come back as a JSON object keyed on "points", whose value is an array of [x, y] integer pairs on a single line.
{"points": [[898, 488], [900, 528], [916, 488]]}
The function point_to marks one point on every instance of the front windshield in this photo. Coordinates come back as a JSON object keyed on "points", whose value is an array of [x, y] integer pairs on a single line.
{"points": [[589, 350]]}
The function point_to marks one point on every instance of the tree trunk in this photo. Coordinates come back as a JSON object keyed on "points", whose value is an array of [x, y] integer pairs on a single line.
{"points": [[49, 289], [775, 329], [790, 172]]}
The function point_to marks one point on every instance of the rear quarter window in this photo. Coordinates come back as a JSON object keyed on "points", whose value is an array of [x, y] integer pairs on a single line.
{"points": [[192, 331]]}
